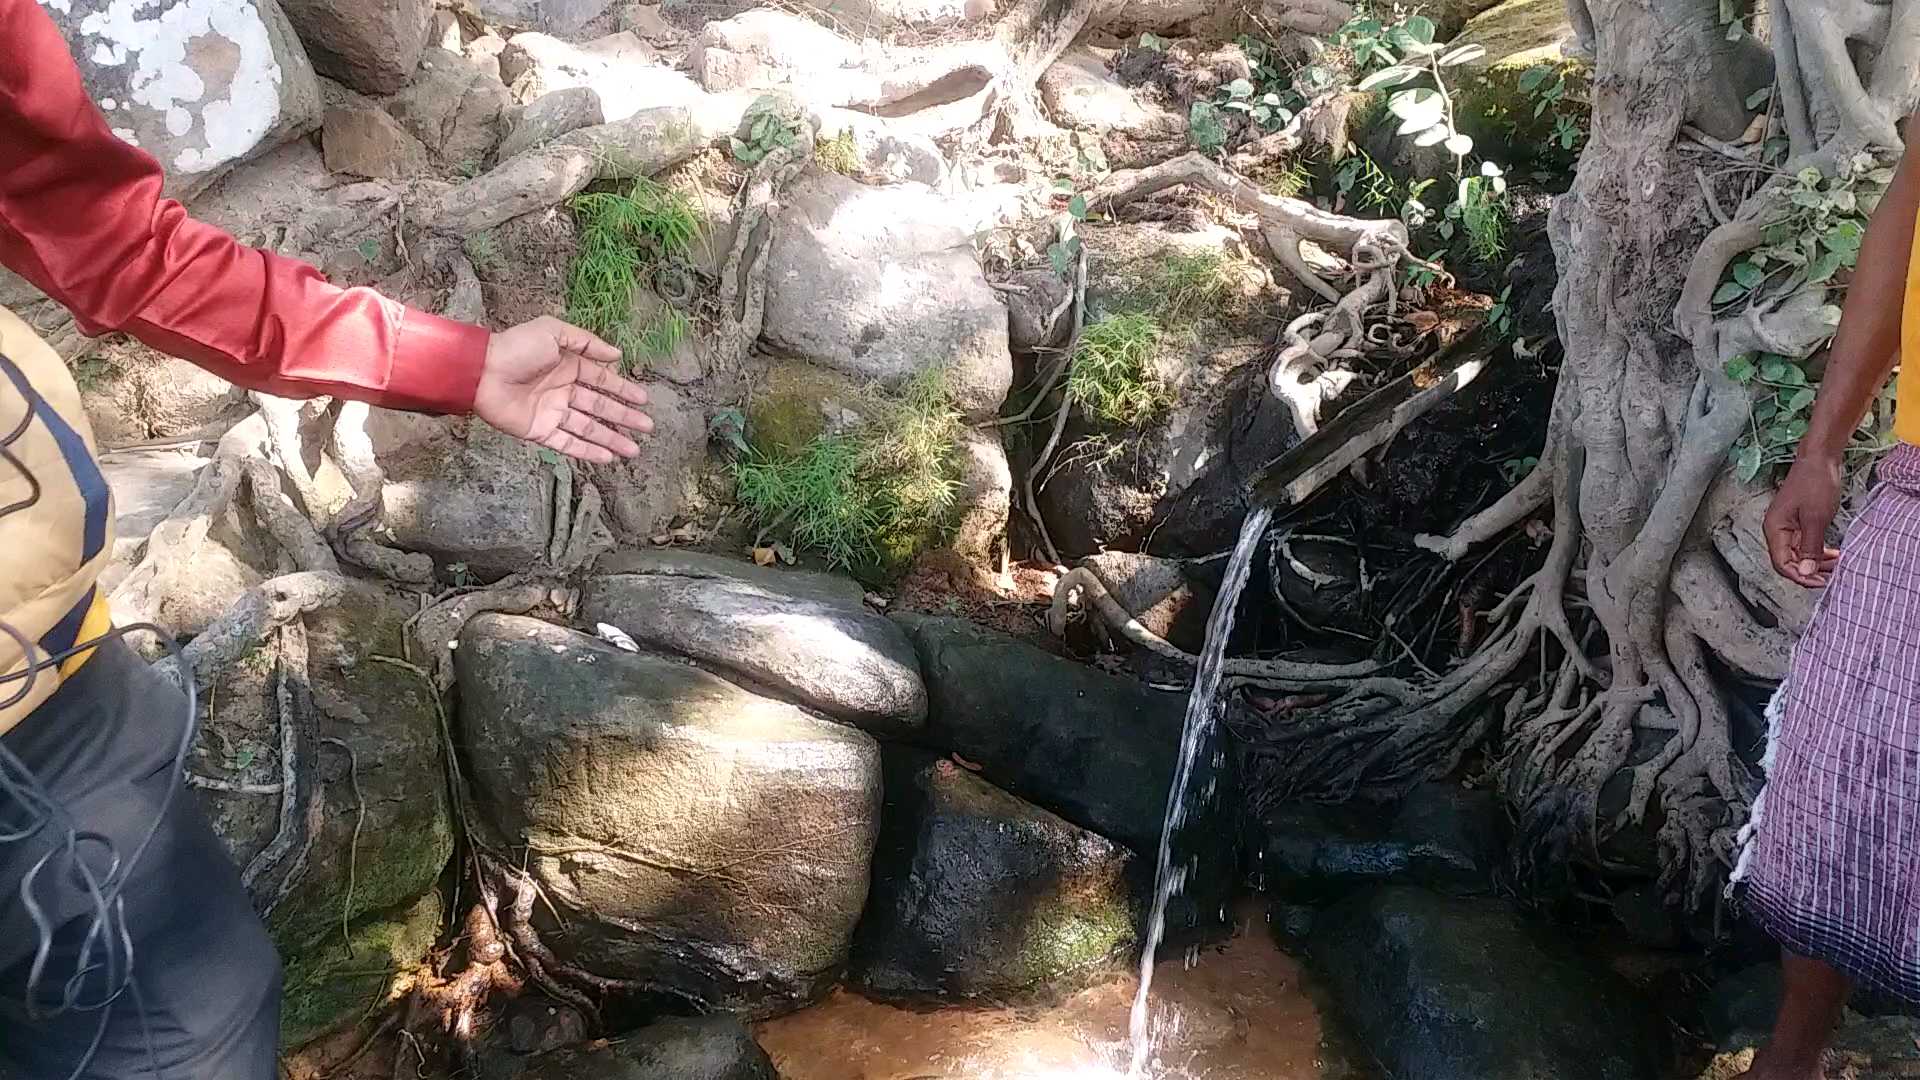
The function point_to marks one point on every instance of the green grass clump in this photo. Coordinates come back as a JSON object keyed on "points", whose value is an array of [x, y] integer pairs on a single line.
{"points": [[1113, 377], [1189, 284], [1483, 218], [621, 234], [839, 154], [865, 499]]}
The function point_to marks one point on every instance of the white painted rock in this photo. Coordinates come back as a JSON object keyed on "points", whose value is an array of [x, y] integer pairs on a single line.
{"points": [[199, 84], [626, 72], [881, 283]]}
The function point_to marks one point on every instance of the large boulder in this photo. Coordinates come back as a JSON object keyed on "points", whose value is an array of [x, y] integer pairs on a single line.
{"points": [[476, 499], [552, 16], [370, 45], [1443, 988], [1441, 836], [881, 284], [198, 85], [551, 116], [838, 658], [385, 830], [696, 836], [977, 893], [625, 71], [707, 1048], [1097, 749], [764, 48], [456, 108]]}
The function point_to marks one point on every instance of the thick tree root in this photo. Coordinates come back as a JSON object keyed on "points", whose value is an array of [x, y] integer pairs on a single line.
{"points": [[265, 608], [436, 631]]}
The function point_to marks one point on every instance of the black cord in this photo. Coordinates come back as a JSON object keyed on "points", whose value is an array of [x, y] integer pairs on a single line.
{"points": [[106, 949]]}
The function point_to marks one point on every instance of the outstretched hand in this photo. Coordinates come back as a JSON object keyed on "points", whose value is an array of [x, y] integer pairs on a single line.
{"points": [[554, 385]]}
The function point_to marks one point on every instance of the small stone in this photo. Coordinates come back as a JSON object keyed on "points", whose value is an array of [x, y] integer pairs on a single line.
{"points": [[368, 142]]}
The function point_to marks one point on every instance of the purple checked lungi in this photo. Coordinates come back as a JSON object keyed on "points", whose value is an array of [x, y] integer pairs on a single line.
{"points": [[1832, 870]]}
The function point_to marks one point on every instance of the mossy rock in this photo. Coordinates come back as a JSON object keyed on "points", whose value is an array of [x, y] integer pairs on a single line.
{"points": [[337, 979], [793, 403], [1517, 34], [387, 830]]}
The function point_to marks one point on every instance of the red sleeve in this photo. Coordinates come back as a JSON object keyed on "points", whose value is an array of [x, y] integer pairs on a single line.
{"points": [[81, 216]]}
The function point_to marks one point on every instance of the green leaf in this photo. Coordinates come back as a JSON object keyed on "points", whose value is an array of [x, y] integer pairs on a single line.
{"points": [[1823, 268], [1797, 428], [1741, 369], [1262, 114], [551, 457], [1844, 237], [1736, 30], [1798, 401], [1240, 88], [1460, 145], [1434, 135], [1746, 463], [1810, 200], [1810, 177], [1204, 128], [1795, 375], [1421, 28], [1397, 75], [1729, 292], [1760, 97], [1058, 255], [1830, 314], [1539, 108], [1774, 369], [1154, 42], [1077, 206], [1748, 275], [1534, 77]]}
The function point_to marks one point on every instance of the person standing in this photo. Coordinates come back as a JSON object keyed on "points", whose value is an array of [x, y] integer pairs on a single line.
{"points": [[128, 947], [1832, 868]]}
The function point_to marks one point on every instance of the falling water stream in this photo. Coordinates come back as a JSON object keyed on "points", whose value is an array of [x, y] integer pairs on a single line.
{"points": [[1203, 711]]}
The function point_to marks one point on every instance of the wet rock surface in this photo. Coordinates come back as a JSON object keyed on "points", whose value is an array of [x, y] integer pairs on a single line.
{"points": [[1441, 836], [978, 893], [1447, 988], [707, 1048]]}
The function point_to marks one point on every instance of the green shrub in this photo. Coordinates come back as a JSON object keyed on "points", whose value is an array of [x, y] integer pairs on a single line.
{"points": [[1113, 378], [866, 499]]}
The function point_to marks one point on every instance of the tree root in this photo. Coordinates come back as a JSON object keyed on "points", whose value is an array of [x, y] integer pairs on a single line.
{"points": [[436, 631], [269, 606], [353, 527], [1029, 489], [272, 874], [743, 278]]}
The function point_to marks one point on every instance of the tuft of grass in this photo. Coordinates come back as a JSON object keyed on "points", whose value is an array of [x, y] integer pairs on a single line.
{"points": [[1189, 285], [865, 499], [621, 233], [1113, 378], [663, 335], [1290, 182], [839, 154], [1483, 218]]}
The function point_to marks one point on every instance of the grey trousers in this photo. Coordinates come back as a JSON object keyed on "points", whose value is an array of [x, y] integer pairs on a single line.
{"points": [[208, 978]]}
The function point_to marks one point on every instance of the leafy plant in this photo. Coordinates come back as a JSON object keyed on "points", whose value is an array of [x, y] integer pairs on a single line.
{"points": [[1113, 378], [1815, 237], [1205, 127], [1360, 177], [729, 428], [1545, 85], [1482, 216], [867, 497], [767, 130], [1783, 403], [1514, 470], [1501, 315], [1064, 253], [839, 154]]}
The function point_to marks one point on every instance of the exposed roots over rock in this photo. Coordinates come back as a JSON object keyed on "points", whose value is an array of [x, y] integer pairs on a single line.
{"points": [[1303, 375], [436, 631]]}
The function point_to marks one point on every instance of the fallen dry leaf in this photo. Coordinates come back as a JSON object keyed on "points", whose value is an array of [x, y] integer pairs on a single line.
{"points": [[764, 556]]}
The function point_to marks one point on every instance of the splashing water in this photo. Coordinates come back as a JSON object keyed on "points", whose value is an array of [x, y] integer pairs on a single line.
{"points": [[1203, 711]]}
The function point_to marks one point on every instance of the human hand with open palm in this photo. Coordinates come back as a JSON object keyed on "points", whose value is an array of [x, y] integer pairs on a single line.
{"points": [[555, 385]]}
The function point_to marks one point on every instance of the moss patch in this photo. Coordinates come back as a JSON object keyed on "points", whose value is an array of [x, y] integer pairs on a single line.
{"points": [[790, 407], [333, 982]]}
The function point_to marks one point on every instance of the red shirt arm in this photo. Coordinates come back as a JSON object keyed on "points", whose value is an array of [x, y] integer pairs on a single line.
{"points": [[82, 218]]}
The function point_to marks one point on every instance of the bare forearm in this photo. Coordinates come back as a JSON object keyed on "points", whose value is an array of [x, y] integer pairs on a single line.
{"points": [[1868, 341]]}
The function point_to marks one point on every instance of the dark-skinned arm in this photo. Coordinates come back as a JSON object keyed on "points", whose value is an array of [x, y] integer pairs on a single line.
{"points": [[1864, 351]]}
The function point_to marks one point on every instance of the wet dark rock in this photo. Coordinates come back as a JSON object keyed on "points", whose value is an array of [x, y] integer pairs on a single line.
{"points": [[834, 655], [1447, 988], [1096, 749], [1441, 836], [692, 834], [706, 1048], [1742, 1005], [978, 893], [538, 1025], [1643, 912]]}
